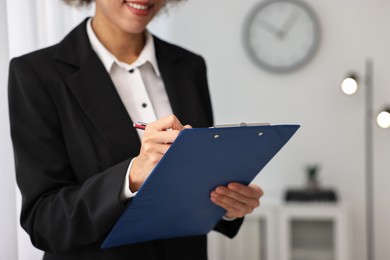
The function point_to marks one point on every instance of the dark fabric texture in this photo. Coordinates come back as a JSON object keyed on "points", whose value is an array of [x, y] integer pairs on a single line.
{"points": [[73, 141]]}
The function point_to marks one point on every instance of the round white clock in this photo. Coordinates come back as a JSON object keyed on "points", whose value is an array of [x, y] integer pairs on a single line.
{"points": [[281, 36]]}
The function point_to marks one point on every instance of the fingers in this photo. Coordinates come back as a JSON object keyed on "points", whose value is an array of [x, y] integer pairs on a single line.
{"points": [[237, 199], [152, 138], [163, 124], [163, 131], [250, 190], [157, 138], [235, 208], [160, 134]]}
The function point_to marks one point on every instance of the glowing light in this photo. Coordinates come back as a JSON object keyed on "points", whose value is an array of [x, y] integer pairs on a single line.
{"points": [[383, 119], [349, 86]]}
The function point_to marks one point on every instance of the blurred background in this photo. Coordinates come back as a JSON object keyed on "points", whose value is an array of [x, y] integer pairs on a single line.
{"points": [[332, 137]]}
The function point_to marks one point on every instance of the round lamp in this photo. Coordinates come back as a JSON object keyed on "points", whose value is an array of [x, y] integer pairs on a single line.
{"points": [[349, 85], [383, 118]]}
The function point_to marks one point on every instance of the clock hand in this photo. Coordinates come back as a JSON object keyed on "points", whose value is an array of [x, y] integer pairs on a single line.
{"points": [[275, 31], [289, 23]]}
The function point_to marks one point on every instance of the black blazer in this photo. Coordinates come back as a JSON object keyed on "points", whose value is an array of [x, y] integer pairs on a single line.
{"points": [[73, 141]]}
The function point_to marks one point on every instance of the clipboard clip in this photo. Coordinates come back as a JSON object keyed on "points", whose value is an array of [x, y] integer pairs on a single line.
{"points": [[242, 124]]}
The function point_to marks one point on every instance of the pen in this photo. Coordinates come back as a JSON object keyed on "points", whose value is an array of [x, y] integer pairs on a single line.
{"points": [[140, 125]]}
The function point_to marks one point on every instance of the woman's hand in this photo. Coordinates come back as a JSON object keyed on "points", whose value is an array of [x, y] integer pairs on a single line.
{"points": [[237, 199], [157, 139]]}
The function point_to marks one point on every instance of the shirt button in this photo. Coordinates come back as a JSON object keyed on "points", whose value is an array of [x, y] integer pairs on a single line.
{"points": [[131, 71], [144, 105]]}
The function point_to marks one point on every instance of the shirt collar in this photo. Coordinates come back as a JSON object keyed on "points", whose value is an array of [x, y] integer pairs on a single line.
{"points": [[147, 54]]}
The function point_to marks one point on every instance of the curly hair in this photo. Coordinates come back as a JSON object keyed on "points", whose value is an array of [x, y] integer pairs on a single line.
{"points": [[87, 2], [78, 2]]}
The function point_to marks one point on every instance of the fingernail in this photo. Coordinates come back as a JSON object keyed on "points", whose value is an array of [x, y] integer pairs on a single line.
{"points": [[215, 196], [232, 185]]}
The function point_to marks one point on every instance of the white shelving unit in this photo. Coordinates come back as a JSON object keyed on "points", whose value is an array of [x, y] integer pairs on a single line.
{"points": [[293, 231], [313, 231]]}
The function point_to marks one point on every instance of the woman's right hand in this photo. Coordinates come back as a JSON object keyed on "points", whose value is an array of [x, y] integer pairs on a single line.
{"points": [[157, 139]]}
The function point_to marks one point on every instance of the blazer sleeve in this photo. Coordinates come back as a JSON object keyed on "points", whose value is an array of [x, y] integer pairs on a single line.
{"points": [[229, 228], [59, 212]]}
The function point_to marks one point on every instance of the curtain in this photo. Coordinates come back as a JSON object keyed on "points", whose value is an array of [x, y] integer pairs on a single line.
{"points": [[8, 221], [45, 22]]}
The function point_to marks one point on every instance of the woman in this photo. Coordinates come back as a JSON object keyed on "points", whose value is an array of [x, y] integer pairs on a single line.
{"points": [[78, 160]]}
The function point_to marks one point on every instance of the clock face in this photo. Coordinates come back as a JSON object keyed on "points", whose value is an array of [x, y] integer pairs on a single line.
{"points": [[281, 35]]}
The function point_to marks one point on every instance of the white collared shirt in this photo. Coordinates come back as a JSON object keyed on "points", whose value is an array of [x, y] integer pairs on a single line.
{"points": [[139, 85]]}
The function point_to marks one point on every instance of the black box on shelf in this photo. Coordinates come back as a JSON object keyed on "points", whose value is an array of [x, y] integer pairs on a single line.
{"points": [[301, 195]]}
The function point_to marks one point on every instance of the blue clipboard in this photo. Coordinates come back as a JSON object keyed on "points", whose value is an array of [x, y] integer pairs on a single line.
{"points": [[175, 201]]}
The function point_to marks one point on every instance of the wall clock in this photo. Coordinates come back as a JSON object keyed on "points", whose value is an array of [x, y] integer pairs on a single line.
{"points": [[281, 36]]}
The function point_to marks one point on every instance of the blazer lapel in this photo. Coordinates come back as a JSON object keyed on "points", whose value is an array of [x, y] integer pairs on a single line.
{"points": [[183, 85], [174, 77], [96, 94]]}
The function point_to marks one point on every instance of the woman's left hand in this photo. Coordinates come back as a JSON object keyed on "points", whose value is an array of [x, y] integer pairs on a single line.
{"points": [[237, 199]]}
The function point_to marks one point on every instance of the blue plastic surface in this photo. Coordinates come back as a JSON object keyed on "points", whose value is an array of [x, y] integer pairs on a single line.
{"points": [[175, 199]]}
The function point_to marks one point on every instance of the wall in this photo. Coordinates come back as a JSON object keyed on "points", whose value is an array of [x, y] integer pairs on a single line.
{"points": [[332, 131], [8, 249]]}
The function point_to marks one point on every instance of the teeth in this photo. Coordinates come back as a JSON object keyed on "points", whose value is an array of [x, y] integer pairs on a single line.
{"points": [[138, 6]]}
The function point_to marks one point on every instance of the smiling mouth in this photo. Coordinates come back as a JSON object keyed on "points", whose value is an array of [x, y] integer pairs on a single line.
{"points": [[139, 6]]}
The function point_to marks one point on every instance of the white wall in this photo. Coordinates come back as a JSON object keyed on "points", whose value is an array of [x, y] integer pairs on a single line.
{"points": [[332, 131], [8, 249]]}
